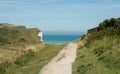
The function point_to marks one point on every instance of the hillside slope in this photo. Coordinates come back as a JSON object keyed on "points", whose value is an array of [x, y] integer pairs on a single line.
{"points": [[17, 42], [18, 35], [22, 52], [99, 50]]}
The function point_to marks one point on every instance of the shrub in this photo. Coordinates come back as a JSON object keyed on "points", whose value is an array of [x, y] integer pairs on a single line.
{"points": [[25, 58], [82, 69], [106, 28], [22, 40], [111, 62], [4, 40], [107, 23], [2, 69], [4, 66], [98, 51]]}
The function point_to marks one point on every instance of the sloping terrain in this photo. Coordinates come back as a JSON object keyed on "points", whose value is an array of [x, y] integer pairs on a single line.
{"points": [[11, 35], [22, 52], [16, 41], [99, 50]]}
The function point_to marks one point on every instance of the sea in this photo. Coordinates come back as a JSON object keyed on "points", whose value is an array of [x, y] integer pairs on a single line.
{"points": [[53, 38]]}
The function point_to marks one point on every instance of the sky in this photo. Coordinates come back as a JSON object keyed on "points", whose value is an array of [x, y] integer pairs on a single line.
{"points": [[58, 15]]}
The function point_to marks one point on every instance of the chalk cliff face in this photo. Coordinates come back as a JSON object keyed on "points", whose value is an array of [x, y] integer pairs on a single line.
{"points": [[40, 34]]}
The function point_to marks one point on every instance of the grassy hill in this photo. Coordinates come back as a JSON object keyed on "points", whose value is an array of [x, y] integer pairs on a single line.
{"points": [[99, 50], [17, 35], [22, 52]]}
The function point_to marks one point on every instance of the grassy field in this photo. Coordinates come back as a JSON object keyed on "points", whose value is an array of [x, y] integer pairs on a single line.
{"points": [[31, 62]]}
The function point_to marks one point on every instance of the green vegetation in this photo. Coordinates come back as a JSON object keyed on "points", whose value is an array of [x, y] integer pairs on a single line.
{"points": [[31, 62], [22, 52], [100, 52], [17, 35], [24, 59]]}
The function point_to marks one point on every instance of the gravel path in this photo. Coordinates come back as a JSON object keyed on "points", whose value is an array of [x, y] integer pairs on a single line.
{"points": [[62, 63]]}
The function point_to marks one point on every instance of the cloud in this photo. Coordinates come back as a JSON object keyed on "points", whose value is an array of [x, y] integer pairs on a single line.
{"points": [[116, 5], [66, 11], [109, 1], [27, 1], [47, 1], [7, 3]]}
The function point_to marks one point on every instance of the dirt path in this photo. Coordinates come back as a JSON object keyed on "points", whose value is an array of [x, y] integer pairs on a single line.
{"points": [[62, 63]]}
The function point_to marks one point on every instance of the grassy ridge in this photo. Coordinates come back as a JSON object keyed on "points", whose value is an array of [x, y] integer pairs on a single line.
{"points": [[11, 35], [100, 52]]}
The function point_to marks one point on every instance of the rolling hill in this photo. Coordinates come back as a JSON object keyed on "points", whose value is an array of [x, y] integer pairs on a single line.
{"points": [[18, 35]]}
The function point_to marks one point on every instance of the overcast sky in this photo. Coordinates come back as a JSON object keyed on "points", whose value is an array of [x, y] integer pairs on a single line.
{"points": [[58, 15]]}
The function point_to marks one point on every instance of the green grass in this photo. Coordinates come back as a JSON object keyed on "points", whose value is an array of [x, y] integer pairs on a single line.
{"points": [[18, 35], [24, 59], [100, 50], [32, 62], [14, 59], [100, 57]]}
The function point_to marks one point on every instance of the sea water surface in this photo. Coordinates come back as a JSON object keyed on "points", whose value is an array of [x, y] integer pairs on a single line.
{"points": [[60, 38]]}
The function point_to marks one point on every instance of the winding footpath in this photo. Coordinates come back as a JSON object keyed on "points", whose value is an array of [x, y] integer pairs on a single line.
{"points": [[62, 63]]}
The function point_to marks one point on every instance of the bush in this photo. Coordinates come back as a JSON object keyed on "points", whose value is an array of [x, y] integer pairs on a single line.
{"points": [[107, 23], [109, 32], [22, 40], [4, 40], [2, 69], [82, 69], [25, 58], [111, 62], [99, 51], [4, 66], [106, 28]]}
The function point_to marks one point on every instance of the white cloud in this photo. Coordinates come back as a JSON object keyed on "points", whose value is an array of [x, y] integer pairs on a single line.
{"points": [[7, 3], [109, 1], [48, 1], [116, 5], [25, 3]]}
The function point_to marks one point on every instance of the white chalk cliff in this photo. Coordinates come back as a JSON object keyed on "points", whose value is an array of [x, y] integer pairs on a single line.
{"points": [[40, 34]]}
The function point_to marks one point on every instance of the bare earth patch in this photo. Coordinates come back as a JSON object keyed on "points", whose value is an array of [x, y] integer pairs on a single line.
{"points": [[62, 63]]}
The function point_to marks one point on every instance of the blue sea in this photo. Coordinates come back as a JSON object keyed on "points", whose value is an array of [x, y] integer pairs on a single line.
{"points": [[60, 38]]}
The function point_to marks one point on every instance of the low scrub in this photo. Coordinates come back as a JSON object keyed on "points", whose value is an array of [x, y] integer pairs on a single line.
{"points": [[82, 69], [24, 59], [31, 62]]}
